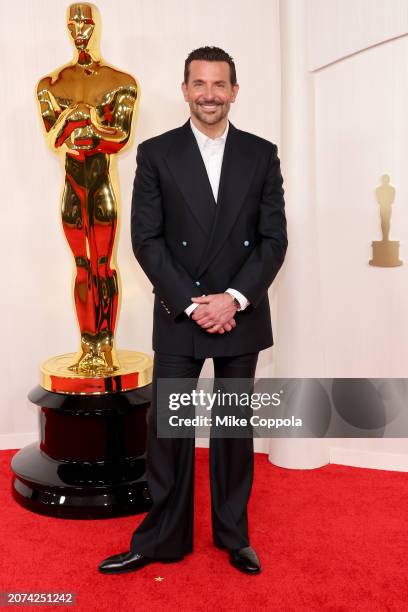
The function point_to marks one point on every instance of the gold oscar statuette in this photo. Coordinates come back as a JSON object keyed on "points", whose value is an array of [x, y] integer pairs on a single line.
{"points": [[385, 251], [90, 460], [88, 109]]}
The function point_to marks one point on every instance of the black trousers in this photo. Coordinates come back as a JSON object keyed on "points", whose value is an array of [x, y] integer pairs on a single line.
{"points": [[167, 529]]}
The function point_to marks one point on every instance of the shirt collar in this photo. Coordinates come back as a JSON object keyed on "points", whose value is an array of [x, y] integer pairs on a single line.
{"points": [[203, 139]]}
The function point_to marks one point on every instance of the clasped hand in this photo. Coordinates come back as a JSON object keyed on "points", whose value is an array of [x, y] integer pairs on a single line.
{"points": [[215, 312]]}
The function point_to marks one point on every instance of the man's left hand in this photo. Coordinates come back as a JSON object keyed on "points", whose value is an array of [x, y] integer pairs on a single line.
{"points": [[217, 309]]}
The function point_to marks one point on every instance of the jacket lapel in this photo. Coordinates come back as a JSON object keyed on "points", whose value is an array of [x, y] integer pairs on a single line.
{"points": [[238, 167], [187, 167]]}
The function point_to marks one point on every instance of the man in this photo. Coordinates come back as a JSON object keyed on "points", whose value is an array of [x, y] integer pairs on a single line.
{"points": [[209, 230]]}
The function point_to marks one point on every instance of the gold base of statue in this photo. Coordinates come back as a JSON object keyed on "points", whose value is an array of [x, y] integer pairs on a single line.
{"points": [[135, 371], [385, 254]]}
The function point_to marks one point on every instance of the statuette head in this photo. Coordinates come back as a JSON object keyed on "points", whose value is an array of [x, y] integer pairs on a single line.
{"points": [[82, 21]]}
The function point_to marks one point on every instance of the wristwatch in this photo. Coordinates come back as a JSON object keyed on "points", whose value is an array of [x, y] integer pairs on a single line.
{"points": [[234, 301]]}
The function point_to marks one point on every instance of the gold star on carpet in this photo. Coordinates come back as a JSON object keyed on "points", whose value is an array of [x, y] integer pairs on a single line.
{"points": [[159, 578]]}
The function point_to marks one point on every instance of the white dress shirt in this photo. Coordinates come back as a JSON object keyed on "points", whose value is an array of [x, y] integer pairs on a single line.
{"points": [[212, 152]]}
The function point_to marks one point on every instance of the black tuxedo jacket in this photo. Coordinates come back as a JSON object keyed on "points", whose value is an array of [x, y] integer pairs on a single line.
{"points": [[188, 245]]}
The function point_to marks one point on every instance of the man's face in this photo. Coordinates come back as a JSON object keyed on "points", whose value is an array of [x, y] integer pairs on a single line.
{"points": [[208, 91]]}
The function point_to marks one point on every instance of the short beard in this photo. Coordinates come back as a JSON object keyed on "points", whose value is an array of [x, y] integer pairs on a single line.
{"points": [[210, 119]]}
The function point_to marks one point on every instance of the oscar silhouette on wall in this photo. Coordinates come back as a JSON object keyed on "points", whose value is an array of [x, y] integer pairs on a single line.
{"points": [[385, 251], [91, 458]]}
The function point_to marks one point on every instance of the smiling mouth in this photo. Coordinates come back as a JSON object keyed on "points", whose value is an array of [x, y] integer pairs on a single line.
{"points": [[209, 107]]}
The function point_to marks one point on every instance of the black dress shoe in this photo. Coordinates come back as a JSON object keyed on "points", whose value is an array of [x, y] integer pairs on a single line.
{"points": [[128, 562], [246, 560]]}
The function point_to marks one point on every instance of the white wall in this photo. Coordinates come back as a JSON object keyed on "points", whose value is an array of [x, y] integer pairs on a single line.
{"points": [[361, 123], [360, 106], [339, 28], [344, 100]]}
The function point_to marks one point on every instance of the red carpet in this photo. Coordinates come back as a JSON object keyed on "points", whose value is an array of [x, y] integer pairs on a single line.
{"points": [[332, 539]]}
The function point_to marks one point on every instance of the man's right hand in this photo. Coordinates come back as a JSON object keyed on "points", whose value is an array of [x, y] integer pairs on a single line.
{"points": [[228, 326]]}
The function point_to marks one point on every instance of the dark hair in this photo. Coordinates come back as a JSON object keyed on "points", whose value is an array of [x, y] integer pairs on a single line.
{"points": [[210, 54]]}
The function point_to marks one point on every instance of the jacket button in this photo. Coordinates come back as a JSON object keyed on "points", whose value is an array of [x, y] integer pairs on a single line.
{"points": [[184, 243], [246, 242], [198, 283]]}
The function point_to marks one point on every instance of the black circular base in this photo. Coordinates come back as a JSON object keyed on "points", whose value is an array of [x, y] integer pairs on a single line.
{"points": [[90, 462]]}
